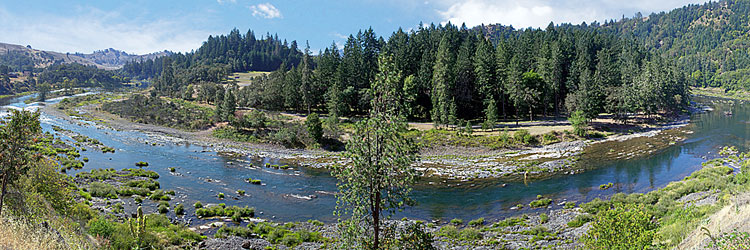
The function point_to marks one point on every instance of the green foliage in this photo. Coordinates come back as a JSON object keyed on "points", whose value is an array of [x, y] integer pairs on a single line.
{"points": [[543, 218], [606, 186], [100, 227], [240, 192], [579, 220], [103, 190], [457, 222], [17, 132], [222, 211], [415, 237], [141, 164], [523, 136], [569, 205], [449, 231], [166, 112], [733, 240], [314, 127], [623, 227], [198, 204], [357, 193], [512, 221], [579, 123], [159, 195], [470, 234], [540, 203], [477, 223]]}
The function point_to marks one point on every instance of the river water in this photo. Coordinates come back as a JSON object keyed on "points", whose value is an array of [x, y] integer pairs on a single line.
{"points": [[201, 174]]}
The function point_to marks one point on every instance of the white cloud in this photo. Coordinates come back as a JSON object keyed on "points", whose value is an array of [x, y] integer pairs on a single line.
{"points": [[94, 29], [265, 10], [226, 1], [538, 13], [339, 35]]}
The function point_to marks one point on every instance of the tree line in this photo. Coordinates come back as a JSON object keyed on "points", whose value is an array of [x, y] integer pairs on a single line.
{"points": [[234, 53], [485, 74]]}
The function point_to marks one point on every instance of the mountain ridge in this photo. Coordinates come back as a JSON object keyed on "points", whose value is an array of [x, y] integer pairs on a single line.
{"points": [[110, 59]]}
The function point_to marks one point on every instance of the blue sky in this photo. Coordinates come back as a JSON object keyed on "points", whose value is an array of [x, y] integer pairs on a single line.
{"points": [[143, 26]]}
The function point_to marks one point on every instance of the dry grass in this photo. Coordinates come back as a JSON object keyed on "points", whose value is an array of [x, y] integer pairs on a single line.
{"points": [[245, 78], [733, 216], [17, 234]]}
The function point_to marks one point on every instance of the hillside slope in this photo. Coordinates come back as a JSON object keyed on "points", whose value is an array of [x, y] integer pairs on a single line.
{"points": [[18, 57]]}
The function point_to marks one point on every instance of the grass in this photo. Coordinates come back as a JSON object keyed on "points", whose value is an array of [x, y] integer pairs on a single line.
{"points": [[220, 210]]}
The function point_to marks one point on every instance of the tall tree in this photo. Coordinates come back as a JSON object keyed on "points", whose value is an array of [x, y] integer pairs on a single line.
{"points": [[442, 79], [307, 88], [16, 134], [378, 179]]}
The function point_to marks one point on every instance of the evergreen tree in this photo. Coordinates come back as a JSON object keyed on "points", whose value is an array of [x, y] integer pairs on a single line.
{"points": [[441, 83]]}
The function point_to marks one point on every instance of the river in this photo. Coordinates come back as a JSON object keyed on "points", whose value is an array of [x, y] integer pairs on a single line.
{"points": [[202, 174]]}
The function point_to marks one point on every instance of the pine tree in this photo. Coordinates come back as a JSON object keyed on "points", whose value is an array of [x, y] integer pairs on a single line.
{"points": [[306, 82], [441, 81], [485, 70], [491, 115]]}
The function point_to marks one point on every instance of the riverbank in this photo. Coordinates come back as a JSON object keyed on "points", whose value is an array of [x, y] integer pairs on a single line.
{"points": [[447, 162]]}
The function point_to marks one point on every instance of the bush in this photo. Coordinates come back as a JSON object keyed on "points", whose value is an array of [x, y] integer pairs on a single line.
{"points": [[523, 136], [623, 227], [222, 211], [98, 189], [253, 181], [580, 220], [198, 204], [470, 234], [540, 203], [415, 237], [579, 122], [457, 222], [477, 223], [606, 186], [314, 127], [240, 192], [449, 231], [221, 195], [163, 207], [159, 195], [570, 204], [141, 164], [101, 227], [179, 209], [543, 218], [733, 240], [513, 221]]}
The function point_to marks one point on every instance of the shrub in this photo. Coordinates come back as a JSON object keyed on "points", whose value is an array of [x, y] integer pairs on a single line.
{"points": [[606, 186], [733, 240], [623, 227], [477, 223], [172, 169], [579, 122], [253, 181], [163, 207], [98, 189], [540, 203], [198, 204], [580, 220], [314, 127], [543, 218], [415, 237], [101, 227], [570, 204], [449, 231], [513, 221], [159, 195], [179, 209], [316, 223], [141, 164], [240, 192], [237, 216], [523, 136], [221, 195], [457, 222], [470, 234]]}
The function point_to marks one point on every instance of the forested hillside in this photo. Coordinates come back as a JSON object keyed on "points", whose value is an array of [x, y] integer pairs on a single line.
{"points": [[231, 53], [708, 41]]}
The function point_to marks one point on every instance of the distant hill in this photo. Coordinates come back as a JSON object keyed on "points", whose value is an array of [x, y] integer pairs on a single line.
{"points": [[19, 57]]}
